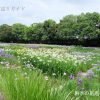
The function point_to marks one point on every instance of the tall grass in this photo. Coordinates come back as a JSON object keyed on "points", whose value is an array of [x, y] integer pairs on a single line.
{"points": [[23, 84]]}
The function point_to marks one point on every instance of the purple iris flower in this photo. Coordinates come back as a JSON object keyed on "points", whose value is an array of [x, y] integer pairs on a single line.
{"points": [[79, 73], [3, 54], [91, 73], [79, 81], [71, 76]]}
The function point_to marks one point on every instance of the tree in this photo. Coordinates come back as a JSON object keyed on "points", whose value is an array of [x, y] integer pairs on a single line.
{"points": [[18, 31], [49, 30], [5, 33], [87, 25], [34, 32], [66, 27]]}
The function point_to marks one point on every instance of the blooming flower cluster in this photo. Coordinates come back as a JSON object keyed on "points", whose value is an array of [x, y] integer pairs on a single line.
{"points": [[3, 54], [54, 61]]}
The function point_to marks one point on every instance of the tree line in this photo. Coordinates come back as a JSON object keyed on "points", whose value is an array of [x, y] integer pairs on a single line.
{"points": [[83, 29]]}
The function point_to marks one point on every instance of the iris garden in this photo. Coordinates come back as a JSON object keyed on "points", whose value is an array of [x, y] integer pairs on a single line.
{"points": [[47, 72]]}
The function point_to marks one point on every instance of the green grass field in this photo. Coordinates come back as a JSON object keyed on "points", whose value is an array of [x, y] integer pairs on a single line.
{"points": [[49, 72]]}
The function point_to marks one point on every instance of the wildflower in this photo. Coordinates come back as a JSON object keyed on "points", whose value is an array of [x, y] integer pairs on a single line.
{"points": [[79, 81], [79, 74], [64, 74], [2, 62], [46, 77], [53, 74], [7, 64], [88, 76], [91, 73], [71, 76], [27, 65]]}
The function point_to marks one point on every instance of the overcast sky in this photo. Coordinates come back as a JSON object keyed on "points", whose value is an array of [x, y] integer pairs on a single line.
{"points": [[33, 11]]}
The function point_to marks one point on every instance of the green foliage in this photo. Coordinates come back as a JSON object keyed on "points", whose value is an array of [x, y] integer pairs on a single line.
{"points": [[83, 29], [34, 33], [49, 30], [5, 33], [66, 26], [18, 31]]}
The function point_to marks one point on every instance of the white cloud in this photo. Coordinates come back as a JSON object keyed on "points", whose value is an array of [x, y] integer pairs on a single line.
{"points": [[40, 10]]}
